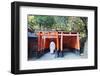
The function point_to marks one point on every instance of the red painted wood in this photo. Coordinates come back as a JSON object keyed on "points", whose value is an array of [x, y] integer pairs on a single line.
{"points": [[68, 41]]}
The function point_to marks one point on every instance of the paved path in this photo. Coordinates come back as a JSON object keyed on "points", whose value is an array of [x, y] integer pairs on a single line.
{"points": [[67, 55]]}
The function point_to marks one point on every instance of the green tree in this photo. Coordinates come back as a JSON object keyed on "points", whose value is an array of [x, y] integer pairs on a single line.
{"points": [[60, 22], [31, 21], [44, 21], [85, 20]]}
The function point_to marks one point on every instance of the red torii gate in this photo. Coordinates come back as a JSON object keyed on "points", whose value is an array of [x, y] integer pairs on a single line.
{"points": [[42, 36]]}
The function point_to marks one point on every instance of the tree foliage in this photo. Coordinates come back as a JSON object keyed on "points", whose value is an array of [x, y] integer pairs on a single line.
{"points": [[45, 21], [60, 23]]}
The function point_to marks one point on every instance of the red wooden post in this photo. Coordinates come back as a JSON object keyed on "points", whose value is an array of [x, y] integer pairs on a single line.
{"points": [[78, 41], [61, 41], [57, 40]]}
